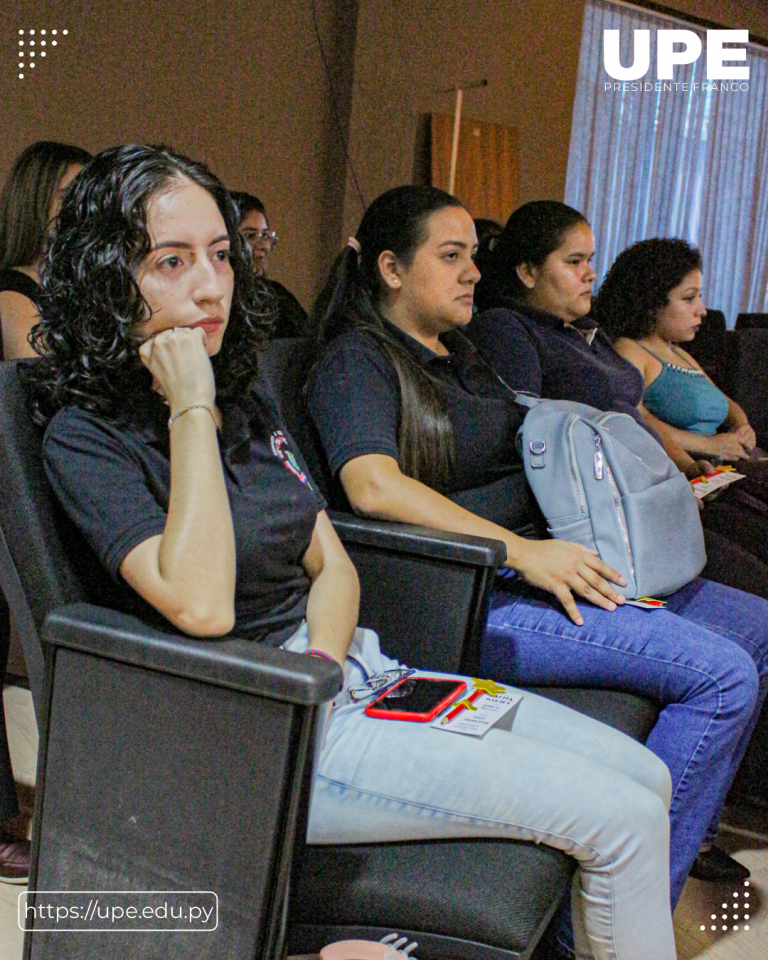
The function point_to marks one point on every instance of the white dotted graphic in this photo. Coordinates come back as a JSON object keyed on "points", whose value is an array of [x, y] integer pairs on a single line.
{"points": [[735, 906], [20, 66]]}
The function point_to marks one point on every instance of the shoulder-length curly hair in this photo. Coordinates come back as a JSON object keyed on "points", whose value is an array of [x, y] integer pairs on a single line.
{"points": [[91, 305], [639, 283]]}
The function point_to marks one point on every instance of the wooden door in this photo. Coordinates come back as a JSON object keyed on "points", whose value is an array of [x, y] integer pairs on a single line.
{"points": [[487, 165]]}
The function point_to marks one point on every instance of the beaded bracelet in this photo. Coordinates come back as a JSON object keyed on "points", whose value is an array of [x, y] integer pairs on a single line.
{"points": [[320, 653], [193, 406]]}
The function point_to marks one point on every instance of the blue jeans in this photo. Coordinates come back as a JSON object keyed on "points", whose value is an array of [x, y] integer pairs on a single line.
{"points": [[704, 658], [552, 776]]}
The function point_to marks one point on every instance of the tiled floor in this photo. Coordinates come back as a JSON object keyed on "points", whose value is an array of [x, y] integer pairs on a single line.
{"points": [[745, 836]]}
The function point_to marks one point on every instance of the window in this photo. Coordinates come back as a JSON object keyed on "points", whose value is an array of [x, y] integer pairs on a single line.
{"points": [[675, 162]]}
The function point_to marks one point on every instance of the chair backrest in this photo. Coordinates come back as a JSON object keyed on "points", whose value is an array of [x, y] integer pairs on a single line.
{"points": [[751, 321], [43, 562], [170, 763], [283, 371], [708, 346], [748, 361]]}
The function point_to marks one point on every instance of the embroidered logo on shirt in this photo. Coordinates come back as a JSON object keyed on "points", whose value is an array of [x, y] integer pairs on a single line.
{"points": [[279, 443]]}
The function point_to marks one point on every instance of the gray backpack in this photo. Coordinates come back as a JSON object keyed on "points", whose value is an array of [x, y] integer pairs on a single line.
{"points": [[600, 479]]}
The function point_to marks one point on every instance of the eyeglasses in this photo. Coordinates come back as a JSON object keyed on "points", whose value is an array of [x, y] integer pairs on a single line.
{"points": [[380, 683], [254, 235]]}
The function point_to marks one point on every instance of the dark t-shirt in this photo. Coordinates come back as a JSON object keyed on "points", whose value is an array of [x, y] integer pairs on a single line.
{"points": [[534, 351], [292, 320], [14, 281], [354, 400], [114, 482]]}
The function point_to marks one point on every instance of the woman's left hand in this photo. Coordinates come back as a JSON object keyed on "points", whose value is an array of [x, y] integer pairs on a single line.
{"points": [[746, 435]]}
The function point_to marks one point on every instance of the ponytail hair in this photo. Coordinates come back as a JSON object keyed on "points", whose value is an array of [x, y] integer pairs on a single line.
{"points": [[532, 232], [395, 221]]}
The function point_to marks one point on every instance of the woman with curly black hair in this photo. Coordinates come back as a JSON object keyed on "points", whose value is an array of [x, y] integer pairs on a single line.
{"points": [[180, 478], [650, 302]]}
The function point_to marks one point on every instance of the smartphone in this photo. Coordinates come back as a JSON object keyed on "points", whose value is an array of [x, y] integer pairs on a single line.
{"points": [[419, 699]]}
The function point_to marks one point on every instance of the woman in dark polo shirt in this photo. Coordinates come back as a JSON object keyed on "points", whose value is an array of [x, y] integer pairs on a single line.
{"points": [[181, 479], [414, 425]]}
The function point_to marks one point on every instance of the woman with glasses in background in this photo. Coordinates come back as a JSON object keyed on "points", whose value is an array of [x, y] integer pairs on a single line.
{"points": [[291, 318]]}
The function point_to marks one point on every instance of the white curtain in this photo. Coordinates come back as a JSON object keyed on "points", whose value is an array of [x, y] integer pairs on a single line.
{"points": [[672, 163]]}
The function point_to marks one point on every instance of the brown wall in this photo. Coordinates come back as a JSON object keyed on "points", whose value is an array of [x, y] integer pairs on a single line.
{"points": [[239, 85], [528, 50]]}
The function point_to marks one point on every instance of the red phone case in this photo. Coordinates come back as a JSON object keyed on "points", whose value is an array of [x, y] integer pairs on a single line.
{"points": [[457, 688]]}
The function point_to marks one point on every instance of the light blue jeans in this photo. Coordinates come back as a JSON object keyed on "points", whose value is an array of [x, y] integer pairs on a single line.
{"points": [[553, 776], [704, 659]]}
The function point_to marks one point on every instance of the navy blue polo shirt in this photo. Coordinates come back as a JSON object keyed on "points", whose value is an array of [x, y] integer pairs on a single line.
{"points": [[535, 351], [354, 401], [114, 482]]}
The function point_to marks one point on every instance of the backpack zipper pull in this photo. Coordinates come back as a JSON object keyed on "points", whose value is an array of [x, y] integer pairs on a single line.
{"points": [[598, 458]]}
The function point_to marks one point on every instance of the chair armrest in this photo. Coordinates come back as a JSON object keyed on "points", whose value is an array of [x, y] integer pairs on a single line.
{"points": [[425, 592], [419, 541], [237, 664]]}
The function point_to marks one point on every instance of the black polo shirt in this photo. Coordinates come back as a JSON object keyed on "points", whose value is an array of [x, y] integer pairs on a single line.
{"points": [[354, 400], [114, 482], [535, 351]]}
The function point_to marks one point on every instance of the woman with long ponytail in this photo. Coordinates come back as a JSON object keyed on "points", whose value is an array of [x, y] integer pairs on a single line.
{"points": [[394, 361]]}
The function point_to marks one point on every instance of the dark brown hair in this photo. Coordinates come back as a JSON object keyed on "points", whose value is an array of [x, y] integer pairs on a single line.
{"points": [[247, 203], [532, 232], [396, 221], [25, 202], [91, 305], [639, 283]]}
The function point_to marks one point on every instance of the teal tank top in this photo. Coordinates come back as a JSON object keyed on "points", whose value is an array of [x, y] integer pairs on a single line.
{"points": [[685, 398]]}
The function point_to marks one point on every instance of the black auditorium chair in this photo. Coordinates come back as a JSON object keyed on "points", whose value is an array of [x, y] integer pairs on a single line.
{"points": [[436, 887], [708, 347], [751, 321], [165, 763], [169, 763], [747, 362]]}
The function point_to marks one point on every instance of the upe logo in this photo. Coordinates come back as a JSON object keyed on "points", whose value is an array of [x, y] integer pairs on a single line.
{"points": [[667, 56]]}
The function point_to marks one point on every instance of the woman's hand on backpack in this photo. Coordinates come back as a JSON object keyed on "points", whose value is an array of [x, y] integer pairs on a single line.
{"points": [[564, 568]]}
